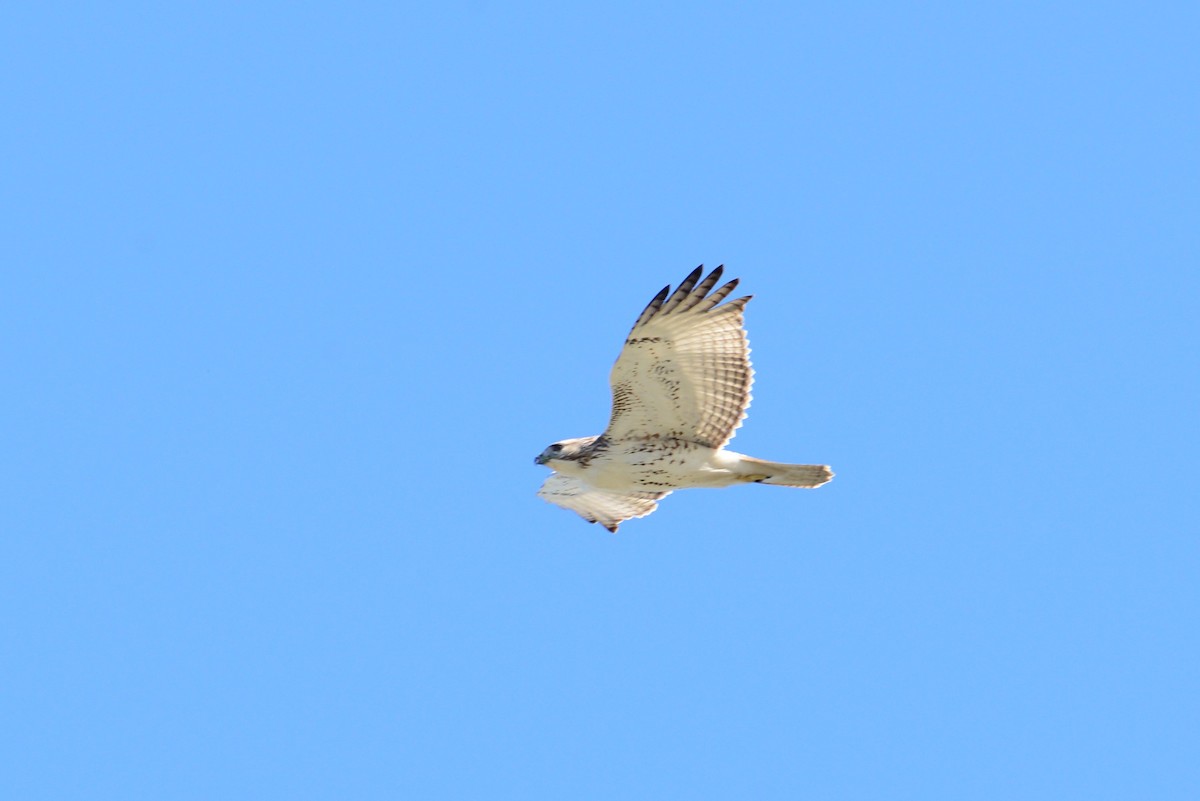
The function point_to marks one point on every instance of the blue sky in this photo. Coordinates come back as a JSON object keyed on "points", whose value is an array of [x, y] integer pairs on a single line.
{"points": [[296, 292]]}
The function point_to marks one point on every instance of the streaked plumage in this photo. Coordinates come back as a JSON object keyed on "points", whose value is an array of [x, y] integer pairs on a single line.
{"points": [[681, 387]]}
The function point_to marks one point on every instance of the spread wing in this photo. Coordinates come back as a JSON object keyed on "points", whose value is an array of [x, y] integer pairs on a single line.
{"points": [[606, 507], [685, 369]]}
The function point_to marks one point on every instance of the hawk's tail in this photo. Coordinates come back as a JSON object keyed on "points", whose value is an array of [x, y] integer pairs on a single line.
{"points": [[785, 475]]}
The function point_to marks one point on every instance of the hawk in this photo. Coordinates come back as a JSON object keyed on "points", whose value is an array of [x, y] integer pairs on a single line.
{"points": [[680, 388]]}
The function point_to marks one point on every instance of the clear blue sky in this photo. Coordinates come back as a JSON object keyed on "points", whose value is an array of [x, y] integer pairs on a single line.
{"points": [[294, 293]]}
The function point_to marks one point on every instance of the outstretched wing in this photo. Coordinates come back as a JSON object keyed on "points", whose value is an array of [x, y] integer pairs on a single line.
{"points": [[606, 507], [685, 369]]}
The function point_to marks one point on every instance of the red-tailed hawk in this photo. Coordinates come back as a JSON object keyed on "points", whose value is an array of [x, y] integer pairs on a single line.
{"points": [[681, 386]]}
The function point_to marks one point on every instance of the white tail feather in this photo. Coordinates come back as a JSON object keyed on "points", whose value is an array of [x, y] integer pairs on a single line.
{"points": [[785, 475]]}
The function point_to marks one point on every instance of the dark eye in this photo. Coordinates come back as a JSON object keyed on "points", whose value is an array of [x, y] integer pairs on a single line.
{"points": [[556, 447]]}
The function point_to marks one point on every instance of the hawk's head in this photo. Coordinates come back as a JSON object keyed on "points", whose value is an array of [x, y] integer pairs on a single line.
{"points": [[568, 450]]}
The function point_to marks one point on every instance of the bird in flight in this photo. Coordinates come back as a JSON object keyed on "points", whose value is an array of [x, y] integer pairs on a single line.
{"points": [[680, 388]]}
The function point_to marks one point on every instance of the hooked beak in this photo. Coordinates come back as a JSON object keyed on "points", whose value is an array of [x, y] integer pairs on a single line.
{"points": [[540, 459]]}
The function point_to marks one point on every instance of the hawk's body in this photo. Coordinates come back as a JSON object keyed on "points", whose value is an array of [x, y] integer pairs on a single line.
{"points": [[681, 387]]}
